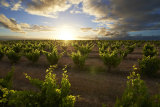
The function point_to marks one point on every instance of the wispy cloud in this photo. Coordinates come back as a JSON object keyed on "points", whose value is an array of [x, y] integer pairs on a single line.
{"points": [[40, 28], [16, 6], [12, 24], [4, 3], [86, 29], [75, 1]]}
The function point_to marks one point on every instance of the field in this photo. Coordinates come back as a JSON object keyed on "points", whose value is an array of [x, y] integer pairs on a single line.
{"points": [[96, 83]]}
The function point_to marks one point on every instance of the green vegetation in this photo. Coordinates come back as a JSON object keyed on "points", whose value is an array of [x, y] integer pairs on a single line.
{"points": [[53, 56], [78, 58], [13, 56], [33, 56], [5, 86], [55, 92], [50, 93], [1, 54], [131, 48], [149, 50], [16, 48], [110, 58], [84, 49], [7, 80], [136, 93], [124, 53], [149, 65]]}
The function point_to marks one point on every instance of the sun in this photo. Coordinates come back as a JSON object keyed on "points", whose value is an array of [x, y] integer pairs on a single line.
{"points": [[66, 33]]}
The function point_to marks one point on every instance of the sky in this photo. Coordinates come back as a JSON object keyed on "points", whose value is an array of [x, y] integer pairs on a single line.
{"points": [[73, 19]]}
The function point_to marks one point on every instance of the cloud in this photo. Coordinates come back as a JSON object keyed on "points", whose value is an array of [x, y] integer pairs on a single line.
{"points": [[118, 16], [25, 26], [22, 27], [76, 9], [106, 32], [75, 1], [102, 31], [47, 8], [16, 6], [10, 24], [136, 15], [4, 3], [97, 8], [39, 28], [125, 16], [86, 29]]}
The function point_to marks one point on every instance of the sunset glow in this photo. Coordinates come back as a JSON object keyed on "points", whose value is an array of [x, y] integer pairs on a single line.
{"points": [[79, 19], [66, 33]]}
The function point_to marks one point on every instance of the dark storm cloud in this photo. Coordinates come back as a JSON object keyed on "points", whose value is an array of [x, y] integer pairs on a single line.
{"points": [[125, 15], [136, 14]]}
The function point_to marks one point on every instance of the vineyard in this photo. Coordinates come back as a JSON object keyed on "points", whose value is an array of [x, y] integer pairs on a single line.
{"points": [[78, 73]]}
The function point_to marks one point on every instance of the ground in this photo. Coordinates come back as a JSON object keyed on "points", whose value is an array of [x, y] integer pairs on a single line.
{"points": [[94, 84]]}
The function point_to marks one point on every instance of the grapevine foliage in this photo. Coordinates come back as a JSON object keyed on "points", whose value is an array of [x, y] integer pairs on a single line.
{"points": [[50, 93], [13, 56], [78, 58], [110, 58], [33, 55], [53, 56], [149, 50], [149, 65], [136, 93]]}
